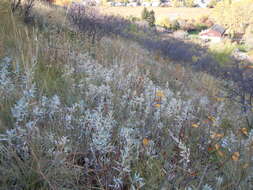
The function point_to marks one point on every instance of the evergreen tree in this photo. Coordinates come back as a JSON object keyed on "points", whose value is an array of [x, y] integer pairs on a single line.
{"points": [[151, 18], [144, 14], [189, 3]]}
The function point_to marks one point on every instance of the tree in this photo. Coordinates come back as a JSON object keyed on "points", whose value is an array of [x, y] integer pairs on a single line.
{"points": [[148, 16], [15, 4], [24, 8], [235, 16], [176, 3], [27, 7], [144, 14], [151, 18], [189, 3]]}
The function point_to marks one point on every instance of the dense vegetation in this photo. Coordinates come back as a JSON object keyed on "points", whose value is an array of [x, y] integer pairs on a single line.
{"points": [[95, 102], [236, 16]]}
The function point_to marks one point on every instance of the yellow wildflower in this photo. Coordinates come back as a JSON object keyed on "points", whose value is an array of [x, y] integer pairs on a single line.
{"points": [[217, 135], [235, 156], [195, 125], [217, 146], [211, 118], [159, 93], [219, 99], [145, 141], [157, 105], [244, 131]]}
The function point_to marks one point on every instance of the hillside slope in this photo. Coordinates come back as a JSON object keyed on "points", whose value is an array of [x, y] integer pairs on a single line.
{"points": [[75, 114]]}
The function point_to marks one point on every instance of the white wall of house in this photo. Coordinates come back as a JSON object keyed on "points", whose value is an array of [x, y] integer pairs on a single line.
{"points": [[202, 3], [212, 39], [146, 4], [155, 4]]}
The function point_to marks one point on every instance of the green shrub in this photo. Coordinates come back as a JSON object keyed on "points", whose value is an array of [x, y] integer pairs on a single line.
{"points": [[200, 27], [144, 14], [222, 52], [149, 16], [189, 3], [242, 47]]}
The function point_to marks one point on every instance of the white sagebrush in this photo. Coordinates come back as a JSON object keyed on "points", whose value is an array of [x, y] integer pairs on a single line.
{"points": [[21, 109], [101, 127], [137, 182], [207, 187], [6, 82]]}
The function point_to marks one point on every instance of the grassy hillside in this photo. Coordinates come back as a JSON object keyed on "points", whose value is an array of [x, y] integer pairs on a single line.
{"points": [[78, 113]]}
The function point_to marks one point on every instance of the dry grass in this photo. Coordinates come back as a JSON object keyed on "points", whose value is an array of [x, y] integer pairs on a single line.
{"points": [[123, 85], [53, 16], [1, 48], [160, 12]]}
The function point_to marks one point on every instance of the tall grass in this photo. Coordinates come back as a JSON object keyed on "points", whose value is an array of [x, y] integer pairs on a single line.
{"points": [[116, 117]]}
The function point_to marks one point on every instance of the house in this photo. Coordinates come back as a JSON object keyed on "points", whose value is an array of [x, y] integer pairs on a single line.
{"points": [[133, 4], [214, 34], [146, 4], [119, 4], [202, 3], [155, 4], [166, 4]]}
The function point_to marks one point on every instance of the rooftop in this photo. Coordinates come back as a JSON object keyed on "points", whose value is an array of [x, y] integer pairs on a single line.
{"points": [[218, 28]]}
